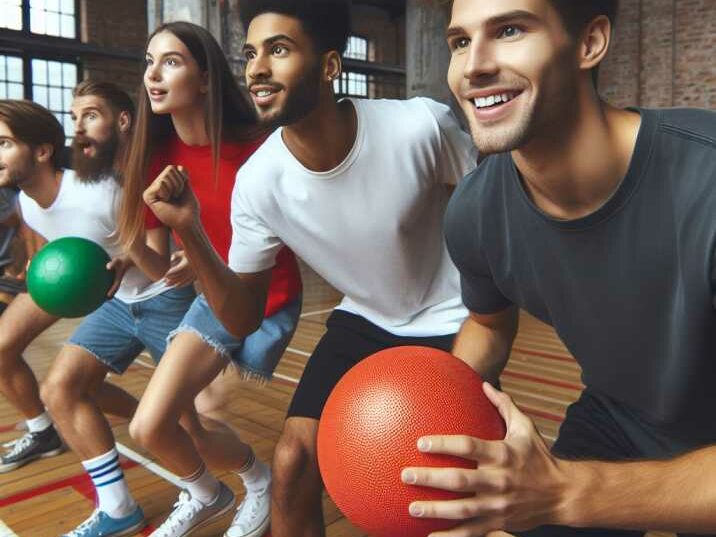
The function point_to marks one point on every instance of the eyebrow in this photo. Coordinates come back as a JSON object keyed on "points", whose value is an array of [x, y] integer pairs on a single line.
{"points": [[510, 16], [85, 110], [170, 53], [270, 41]]}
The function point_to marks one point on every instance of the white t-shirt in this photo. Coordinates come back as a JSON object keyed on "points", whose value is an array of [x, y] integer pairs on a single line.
{"points": [[371, 227], [89, 210]]}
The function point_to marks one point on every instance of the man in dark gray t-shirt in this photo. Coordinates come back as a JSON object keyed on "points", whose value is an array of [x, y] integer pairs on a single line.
{"points": [[601, 222]]}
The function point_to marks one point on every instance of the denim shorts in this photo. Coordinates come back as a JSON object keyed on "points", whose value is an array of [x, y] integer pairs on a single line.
{"points": [[256, 355], [117, 332]]}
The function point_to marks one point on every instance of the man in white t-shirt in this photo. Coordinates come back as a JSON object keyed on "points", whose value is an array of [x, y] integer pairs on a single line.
{"points": [[145, 308], [358, 190]]}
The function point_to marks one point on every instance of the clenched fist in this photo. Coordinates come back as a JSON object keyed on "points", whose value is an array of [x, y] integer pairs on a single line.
{"points": [[171, 199]]}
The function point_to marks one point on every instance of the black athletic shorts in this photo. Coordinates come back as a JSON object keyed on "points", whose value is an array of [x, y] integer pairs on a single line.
{"points": [[598, 428], [348, 340]]}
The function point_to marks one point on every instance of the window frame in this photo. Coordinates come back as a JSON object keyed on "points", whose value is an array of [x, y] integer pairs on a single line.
{"points": [[27, 32]]}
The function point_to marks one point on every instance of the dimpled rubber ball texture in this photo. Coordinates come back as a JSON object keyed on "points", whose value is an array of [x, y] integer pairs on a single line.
{"points": [[68, 277], [369, 429]]}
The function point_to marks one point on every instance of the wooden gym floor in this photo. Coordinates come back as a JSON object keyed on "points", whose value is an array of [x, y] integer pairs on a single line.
{"points": [[51, 496]]}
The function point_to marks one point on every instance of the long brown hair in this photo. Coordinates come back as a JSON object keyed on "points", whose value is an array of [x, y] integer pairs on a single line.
{"points": [[228, 115]]}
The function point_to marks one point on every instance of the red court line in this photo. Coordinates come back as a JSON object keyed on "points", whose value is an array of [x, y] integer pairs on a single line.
{"points": [[542, 380], [8, 428], [77, 482], [559, 357]]}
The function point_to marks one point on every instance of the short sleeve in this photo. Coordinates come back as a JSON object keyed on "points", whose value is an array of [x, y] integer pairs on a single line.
{"points": [[458, 155], [254, 246], [480, 293]]}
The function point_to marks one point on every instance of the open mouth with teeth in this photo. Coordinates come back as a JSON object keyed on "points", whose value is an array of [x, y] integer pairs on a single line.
{"points": [[493, 101], [264, 93]]}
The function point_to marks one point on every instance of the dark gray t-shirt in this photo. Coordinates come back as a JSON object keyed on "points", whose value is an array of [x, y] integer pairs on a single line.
{"points": [[628, 288]]}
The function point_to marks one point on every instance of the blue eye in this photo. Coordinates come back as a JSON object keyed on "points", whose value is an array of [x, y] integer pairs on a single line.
{"points": [[509, 31]]}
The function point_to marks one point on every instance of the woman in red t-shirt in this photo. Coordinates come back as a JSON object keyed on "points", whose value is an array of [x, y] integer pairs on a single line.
{"points": [[191, 113]]}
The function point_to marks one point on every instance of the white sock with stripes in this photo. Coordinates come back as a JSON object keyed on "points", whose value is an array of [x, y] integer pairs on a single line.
{"points": [[202, 485], [113, 496]]}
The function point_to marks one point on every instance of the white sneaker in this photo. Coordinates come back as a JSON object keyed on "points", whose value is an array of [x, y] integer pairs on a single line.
{"points": [[190, 514], [253, 515]]}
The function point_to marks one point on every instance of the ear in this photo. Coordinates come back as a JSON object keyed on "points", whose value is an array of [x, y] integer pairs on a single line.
{"points": [[124, 121], [43, 153], [332, 66], [595, 42]]}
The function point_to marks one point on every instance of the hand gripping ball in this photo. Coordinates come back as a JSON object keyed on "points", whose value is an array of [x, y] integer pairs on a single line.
{"points": [[370, 426], [68, 277]]}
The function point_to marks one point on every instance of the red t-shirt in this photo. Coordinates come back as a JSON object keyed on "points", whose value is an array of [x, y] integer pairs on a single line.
{"points": [[214, 196]]}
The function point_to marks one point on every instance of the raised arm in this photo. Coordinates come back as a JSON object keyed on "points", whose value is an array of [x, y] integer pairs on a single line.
{"points": [[238, 300]]}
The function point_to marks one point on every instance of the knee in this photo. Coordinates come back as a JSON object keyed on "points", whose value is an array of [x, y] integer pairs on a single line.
{"points": [[146, 429], [294, 459], [58, 395]]}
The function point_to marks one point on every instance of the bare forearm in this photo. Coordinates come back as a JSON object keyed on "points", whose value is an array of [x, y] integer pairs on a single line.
{"points": [[677, 495], [237, 305], [485, 344], [153, 264]]}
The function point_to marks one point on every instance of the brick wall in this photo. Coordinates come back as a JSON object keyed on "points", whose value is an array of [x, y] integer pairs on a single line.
{"points": [[662, 54], [115, 25]]}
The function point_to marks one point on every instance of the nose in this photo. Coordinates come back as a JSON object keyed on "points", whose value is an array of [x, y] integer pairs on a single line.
{"points": [[481, 60], [79, 125], [258, 67], [152, 73]]}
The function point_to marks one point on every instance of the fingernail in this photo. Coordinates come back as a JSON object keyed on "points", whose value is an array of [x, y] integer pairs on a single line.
{"points": [[416, 510], [424, 444], [408, 477]]}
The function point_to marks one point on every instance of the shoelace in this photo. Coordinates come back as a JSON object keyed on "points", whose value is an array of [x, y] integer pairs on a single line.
{"points": [[86, 526], [184, 509], [250, 505], [17, 446]]}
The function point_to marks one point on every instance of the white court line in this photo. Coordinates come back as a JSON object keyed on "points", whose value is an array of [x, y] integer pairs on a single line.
{"points": [[319, 312], [296, 351], [144, 364], [286, 378], [5, 531], [149, 465]]}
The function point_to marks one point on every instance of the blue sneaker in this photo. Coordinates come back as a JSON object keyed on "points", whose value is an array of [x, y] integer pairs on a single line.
{"points": [[100, 524]]}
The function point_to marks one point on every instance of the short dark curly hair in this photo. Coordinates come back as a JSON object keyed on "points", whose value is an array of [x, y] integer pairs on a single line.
{"points": [[327, 22]]}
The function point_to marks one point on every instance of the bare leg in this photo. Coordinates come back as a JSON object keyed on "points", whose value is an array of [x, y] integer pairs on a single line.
{"points": [[68, 391], [212, 400], [187, 367], [21, 323], [296, 509]]}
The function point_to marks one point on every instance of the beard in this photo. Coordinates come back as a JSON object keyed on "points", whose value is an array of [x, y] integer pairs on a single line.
{"points": [[15, 177], [91, 169], [300, 102]]}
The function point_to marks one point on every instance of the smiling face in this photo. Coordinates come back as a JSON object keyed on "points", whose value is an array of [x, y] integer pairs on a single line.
{"points": [[173, 79], [513, 70], [283, 72]]}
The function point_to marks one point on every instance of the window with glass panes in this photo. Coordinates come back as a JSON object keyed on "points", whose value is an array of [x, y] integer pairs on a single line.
{"points": [[44, 79], [42, 17], [52, 83], [11, 77], [350, 83]]}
